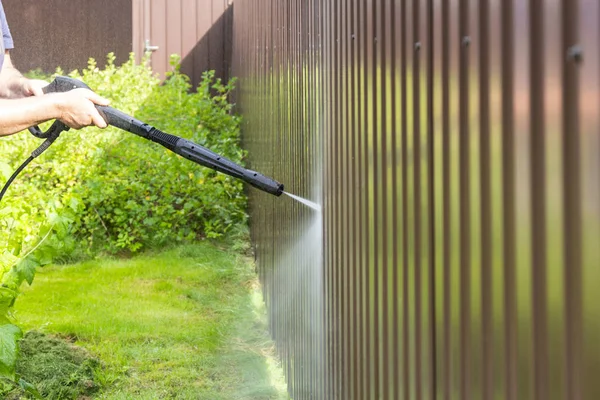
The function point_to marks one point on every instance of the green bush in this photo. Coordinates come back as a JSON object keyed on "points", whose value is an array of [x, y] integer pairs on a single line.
{"points": [[138, 193], [135, 193], [109, 191]]}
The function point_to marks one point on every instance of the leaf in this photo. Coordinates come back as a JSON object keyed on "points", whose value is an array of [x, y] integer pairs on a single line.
{"points": [[7, 298], [74, 204], [7, 260], [27, 269], [5, 170], [46, 255], [29, 388], [9, 349]]}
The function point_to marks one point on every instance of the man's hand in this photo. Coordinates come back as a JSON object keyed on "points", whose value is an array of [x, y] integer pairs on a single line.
{"points": [[77, 108], [23, 103], [13, 85], [33, 87]]}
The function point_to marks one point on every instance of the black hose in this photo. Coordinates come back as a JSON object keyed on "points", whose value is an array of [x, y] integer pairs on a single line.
{"points": [[51, 135], [14, 175]]}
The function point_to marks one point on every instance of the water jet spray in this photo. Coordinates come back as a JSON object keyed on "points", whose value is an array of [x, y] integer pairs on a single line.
{"points": [[304, 201]]}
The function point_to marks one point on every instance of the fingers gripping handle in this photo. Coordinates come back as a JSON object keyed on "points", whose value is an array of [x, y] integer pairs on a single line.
{"points": [[111, 115], [59, 84]]}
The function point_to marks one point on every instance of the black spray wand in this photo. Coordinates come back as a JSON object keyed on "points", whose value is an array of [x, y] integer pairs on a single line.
{"points": [[185, 148]]}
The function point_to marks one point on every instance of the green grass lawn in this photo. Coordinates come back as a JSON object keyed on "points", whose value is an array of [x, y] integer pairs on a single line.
{"points": [[188, 323]]}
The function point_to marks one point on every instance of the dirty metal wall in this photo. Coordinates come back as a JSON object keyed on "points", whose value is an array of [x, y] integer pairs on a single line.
{"points": [[64, 33], [454, 146], [197, 30]]}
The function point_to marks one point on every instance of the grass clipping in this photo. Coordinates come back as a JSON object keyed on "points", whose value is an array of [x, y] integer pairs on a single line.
{"points": [[55, 367]]}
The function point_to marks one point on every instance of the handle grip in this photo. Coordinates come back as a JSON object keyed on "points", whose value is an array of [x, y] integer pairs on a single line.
{"points": [[64, 84]]}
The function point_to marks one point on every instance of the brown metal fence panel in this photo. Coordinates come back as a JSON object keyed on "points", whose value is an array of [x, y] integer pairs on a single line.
{"points": [[64, 33], [197, 30], [454, 149]]}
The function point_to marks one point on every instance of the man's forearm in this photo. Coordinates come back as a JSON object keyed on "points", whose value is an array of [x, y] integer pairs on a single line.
{"points": [[19, 114]]}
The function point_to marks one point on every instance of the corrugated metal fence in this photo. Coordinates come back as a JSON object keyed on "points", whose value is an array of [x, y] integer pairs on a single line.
{"points": [[197, 30], [64, 33], [454, 146]]}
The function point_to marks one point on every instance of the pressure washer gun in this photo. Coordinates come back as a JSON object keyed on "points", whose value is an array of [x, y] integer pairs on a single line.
{"points": [[185, 148]]}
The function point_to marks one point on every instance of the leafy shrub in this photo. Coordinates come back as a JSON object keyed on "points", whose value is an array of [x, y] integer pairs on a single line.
{"points": [[108, 190], [138, 193], [134, 192]]}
